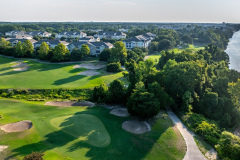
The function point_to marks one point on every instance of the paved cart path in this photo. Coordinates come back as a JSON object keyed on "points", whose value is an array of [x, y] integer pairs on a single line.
{"points": [[193, 153]]}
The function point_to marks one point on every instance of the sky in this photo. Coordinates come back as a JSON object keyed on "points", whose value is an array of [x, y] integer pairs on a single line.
{"points": [[208, 11]]}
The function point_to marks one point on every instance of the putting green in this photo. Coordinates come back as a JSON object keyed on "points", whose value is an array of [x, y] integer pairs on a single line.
{"points": [[86, 128]]}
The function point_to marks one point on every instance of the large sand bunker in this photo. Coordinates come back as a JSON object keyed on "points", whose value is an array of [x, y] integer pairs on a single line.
{"points": [[19, 65], [136, 127], [17, 127], [89, 73], [70, 104], [121, 112], [21, 69], [17, 62], [91, 66]]}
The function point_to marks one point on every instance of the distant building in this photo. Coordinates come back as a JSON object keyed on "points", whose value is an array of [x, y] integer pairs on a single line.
{"points": [[51, 43], [14, 33], [111, 35], [70, 34], [24, 36], [15, 41], [150, 35], [95, 47], [89, 39], [39, 33], [137, 41], [123, 30]]}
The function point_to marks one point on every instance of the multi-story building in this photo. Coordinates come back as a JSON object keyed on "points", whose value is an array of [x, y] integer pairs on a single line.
{"points": [[70, 34], [111, 35]]}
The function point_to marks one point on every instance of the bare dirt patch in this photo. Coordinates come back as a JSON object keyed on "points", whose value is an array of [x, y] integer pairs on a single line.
{"points": [[70, 104], [120, 112], [91, 66], [211, 155], [21, 69], [2, 148], [136, 127], [89, 73], [19, 65], [17, 62], [17, 127]]}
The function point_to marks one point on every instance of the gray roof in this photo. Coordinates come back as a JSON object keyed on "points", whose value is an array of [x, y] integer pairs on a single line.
{"points": [[15, 31], [110, 33], [149, 34], [71, 33], [36, 32], [97, 44], [54, 42], [137, 39], [22, 40]]}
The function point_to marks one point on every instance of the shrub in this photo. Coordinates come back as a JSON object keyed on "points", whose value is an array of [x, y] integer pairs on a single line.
{"points": [[114, 67], [34, 156], [229, 146], [100, 93]]}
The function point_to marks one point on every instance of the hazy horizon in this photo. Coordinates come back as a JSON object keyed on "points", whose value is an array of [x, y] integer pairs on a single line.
{"points": [[155, 11]]}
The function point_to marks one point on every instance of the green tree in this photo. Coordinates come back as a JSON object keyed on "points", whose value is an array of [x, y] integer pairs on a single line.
{"points": [[85, 50], [4, 43], [229, 146], [27, 48], [19, 52], [118, 53], [117, 92], [43, 51], [143, 104], [76, 55], [100, 93], [60, 53], [165, 44], [105, 55]]}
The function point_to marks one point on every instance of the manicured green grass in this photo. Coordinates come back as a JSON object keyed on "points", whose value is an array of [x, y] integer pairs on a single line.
{"points": [[50, 76], [55, 133]]}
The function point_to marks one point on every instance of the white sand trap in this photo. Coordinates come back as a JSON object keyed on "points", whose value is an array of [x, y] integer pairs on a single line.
{"points": [[20, 65], [120, 112], [2, 148], [136, 127], [17, 62], [17, 127], [91, 66], [21, 69], [70, 104], [89, 73]]}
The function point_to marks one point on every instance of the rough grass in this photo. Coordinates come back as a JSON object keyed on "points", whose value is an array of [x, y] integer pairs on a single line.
{"points": [[57, 144], [49, 76]]}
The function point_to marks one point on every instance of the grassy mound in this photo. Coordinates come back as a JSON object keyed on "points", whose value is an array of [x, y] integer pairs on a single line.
{"points": [[87, 128]]}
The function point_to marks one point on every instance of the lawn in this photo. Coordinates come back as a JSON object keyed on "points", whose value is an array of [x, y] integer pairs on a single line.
{"points": [[50, 76], [85, 133]]}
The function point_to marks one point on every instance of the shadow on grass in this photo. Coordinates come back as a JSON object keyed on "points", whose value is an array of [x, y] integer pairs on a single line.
{"points": [[68, 80], [77, 70], [5, 69], [123, 145]]}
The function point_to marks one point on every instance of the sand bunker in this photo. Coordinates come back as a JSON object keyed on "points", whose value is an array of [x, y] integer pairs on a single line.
{"points": [[89, 73], [21, 69], [70, 104], [136, 127], [2, 148], [120, 112], [91, 66], [17, 127], [17, 62], [20, 65]]}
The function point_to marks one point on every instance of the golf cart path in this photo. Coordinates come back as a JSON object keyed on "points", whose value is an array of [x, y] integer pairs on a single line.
{"points": [[193, 153]]}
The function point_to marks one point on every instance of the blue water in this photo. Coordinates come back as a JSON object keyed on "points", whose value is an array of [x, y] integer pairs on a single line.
{"points": [[233, 50]]}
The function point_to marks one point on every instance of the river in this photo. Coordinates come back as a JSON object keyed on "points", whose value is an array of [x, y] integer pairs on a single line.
{"points": [[233, 50]]}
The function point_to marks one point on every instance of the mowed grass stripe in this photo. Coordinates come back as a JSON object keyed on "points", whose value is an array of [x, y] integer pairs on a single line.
{"points": [[50, 76]]}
